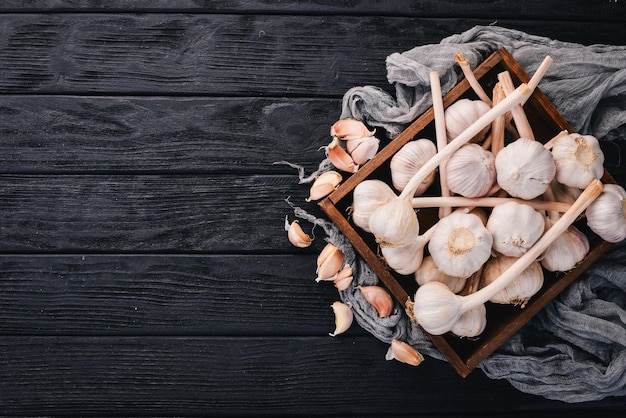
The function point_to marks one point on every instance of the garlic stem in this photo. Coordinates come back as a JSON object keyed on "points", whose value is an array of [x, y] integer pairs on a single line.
{"points": [[459, 201], [471, 78], [552, 141], [559, 227], [497, 126], [540, 72], [440, 133], [437, 309], [519, 116], [507, 103]]}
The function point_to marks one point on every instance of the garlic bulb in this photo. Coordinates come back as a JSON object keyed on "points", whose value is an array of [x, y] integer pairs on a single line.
{"points": [[515, 228], [362, 149], [471, 171], [472, 323], [343, 318], [606, 216], [368, 196], [578, 159], [428, 271], [349, 129], [408, 160], [568, 250], [404, 259], [394, 223], [461, 114], [563, 193], [519, 290], [525, 168], [460, 244]]}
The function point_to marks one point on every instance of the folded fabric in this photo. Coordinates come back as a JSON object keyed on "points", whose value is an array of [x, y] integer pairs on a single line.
{"points": [[575, 349]]}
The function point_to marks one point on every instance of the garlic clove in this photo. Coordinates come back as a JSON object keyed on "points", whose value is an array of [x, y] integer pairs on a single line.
{"points": [[428, 271], [350, 129], [471, 171], [578, 159], [515, 228], [403, 352], [460, 244], [343, 318], [408, 160], [606, 216], [344, 278], [362, 149], [296, 235], [461, 114], [329, 262], [340, 157], [521, 289], [379, 299], [324, 185], [525, 168], [472, 323], [566, 251]]}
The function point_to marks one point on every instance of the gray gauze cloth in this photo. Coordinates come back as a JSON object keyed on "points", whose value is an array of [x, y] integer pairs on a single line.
{"points": [[575, 349]]}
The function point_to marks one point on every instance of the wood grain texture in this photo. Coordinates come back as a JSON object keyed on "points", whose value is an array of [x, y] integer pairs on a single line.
{"points": [[165, 295], [552, 9], [148, 213], [60, 134], [281, 376], [239, 55]]}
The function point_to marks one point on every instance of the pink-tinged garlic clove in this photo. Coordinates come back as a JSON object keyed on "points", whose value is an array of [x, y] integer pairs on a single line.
{"points": [[343, 318], [349, 129], [324, 185], [329, 262], [344, 278], [296, 235], [403, 352], [362, 149], [379, 298], [340, 158]]}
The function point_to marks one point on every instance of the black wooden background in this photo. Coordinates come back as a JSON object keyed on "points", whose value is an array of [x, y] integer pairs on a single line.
{"points": [[143, 265]]}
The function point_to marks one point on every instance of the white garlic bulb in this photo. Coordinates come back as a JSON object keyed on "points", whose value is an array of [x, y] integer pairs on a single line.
{"points": [[408, 160], [428, 271], [563, 193], [578, 159], [606, 216], [518, 291], [471, 323], [368, 196], [460, 244], [394, 223], [566, 251], [404, 259], [515, 227], [471, 171], [461, 114], [525, 168]]}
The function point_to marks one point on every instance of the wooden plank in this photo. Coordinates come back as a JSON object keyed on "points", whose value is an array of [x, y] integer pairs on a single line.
{"points": [[243, 55], [287, 376], [552, 9], [148, 213], [182, 135], [165, 295]]}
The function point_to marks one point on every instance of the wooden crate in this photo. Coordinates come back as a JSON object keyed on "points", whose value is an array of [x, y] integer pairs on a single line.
{"points": [[502, 321]]}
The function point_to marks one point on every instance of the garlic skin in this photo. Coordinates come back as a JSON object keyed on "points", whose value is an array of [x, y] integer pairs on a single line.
{"points": [[460, 244], [471, 171], [472, 323], [515, 228], [340, 157], [606, 216], [566, 251], [296, 235], [362, 149], [403, 352], [324, 185], [461, 114], [343, 318], [368, 196], [525, 168], [578, 159], [350, 129], [329, 262], [428, 271], [379, 299], [518, 291], [408, 160], [404, 259], [394, 223]]}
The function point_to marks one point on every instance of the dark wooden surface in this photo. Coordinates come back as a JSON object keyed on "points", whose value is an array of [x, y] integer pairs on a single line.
{"points": [[143, 265]]}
